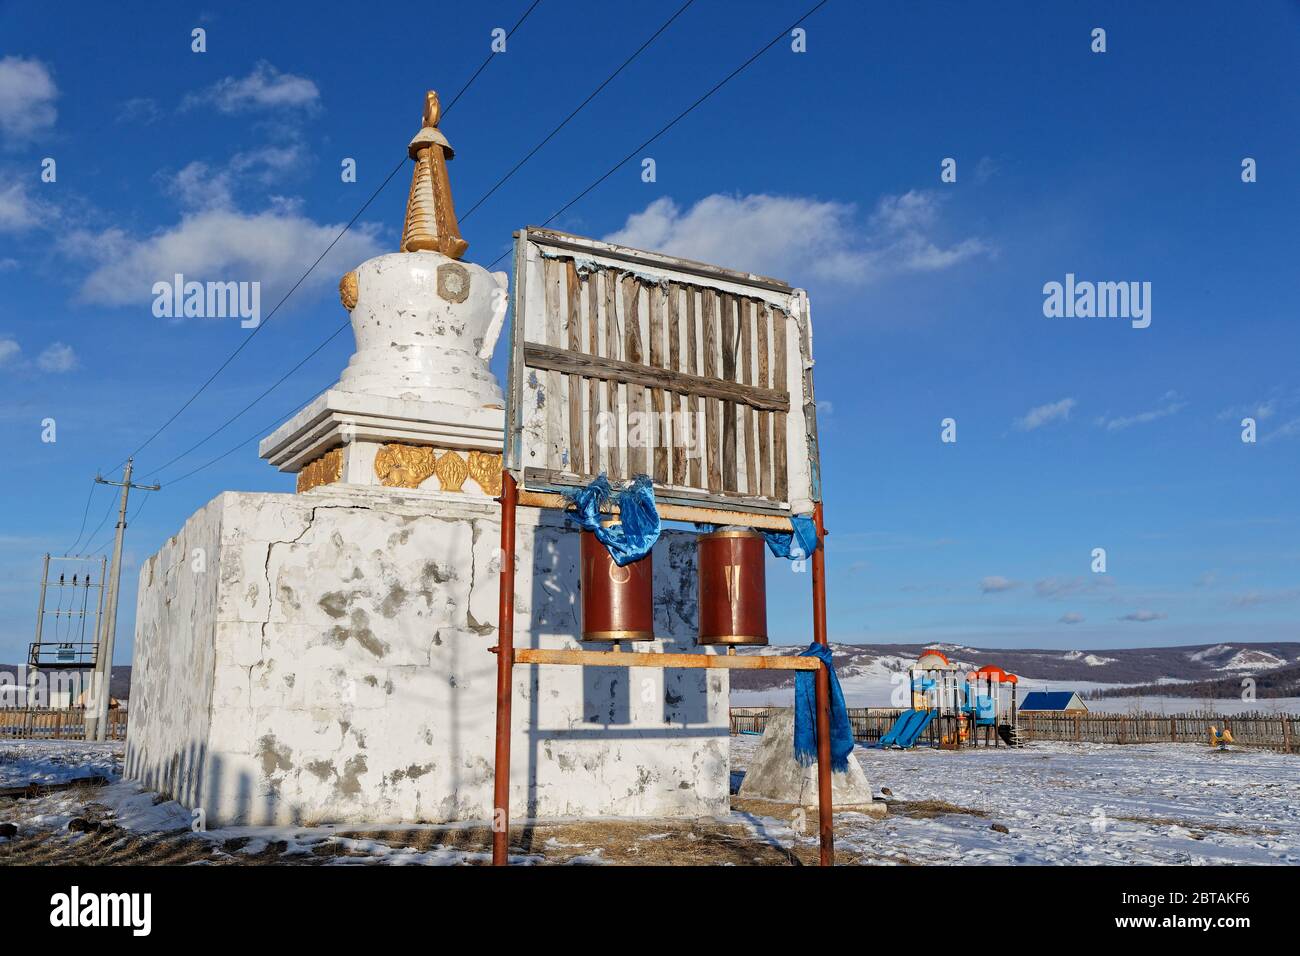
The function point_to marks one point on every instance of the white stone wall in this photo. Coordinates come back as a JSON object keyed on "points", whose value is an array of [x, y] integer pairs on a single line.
{"points": [[330, 663]]}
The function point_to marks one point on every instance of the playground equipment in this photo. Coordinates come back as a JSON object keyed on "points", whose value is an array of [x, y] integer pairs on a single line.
{"points": [[1220, 738], [956, 704], [993, 711]]}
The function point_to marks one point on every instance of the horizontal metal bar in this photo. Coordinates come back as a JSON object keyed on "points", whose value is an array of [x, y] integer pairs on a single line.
{"points": [[741, 519], [773, 662], [549, 480]]}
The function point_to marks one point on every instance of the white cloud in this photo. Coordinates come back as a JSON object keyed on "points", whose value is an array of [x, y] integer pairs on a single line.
{"points": [[18, 210], [27, 95], [1045, 414], [1054, 589], [57, 358], [1289, 429], [9, 350], [1143, 616], [797, 237], [1170, 405], [140, 109], [200, 186], [1256, 598], [273, 247], [266, 88], [1072, 617], [995, 583]]}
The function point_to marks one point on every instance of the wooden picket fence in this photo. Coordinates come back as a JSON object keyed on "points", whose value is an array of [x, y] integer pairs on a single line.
{"points": [[47, 724], [1280, 732]]}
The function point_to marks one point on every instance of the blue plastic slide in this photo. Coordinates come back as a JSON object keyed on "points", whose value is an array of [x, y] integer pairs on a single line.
{"points": [[914, 729], [891, 735], [907, 728]]}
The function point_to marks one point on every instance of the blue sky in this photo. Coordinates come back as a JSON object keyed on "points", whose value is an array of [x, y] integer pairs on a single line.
{"points": [[822, 168]]}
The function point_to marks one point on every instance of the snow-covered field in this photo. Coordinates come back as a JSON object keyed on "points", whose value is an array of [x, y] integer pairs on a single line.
{"points": [[1065, 803], [1052, 803]]}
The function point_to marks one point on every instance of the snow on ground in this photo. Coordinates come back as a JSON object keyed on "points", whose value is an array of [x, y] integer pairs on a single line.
{"points": [[1065, 803], [1060, 803], [26, 762]]}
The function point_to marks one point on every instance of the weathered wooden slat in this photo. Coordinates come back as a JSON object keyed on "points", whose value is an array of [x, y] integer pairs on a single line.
{"points": [[712, 408], [596, 463], [764, 418], [727, 320], [677, 401], [613, 349], [577, 451], [634, 352], [646, 376], [553, 271], [780, 463], [658, 399], [746, 359], [694, 403]]}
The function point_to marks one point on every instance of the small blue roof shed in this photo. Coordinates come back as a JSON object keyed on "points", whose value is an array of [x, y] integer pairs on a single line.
{"points": [[1053, 700]]}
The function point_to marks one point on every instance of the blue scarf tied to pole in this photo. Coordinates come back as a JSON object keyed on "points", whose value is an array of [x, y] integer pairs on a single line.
{"points": [[638, 528], [805, 715]]}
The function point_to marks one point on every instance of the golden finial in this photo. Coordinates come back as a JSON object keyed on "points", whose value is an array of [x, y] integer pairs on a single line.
{"points": [[430, 214]]}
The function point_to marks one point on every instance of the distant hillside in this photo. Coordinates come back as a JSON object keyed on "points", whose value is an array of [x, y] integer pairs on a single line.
{"points": [[1150, 666], [1282, 682], [119, 683]]}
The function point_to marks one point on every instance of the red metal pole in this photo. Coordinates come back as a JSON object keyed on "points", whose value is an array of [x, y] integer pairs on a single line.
{"points": [[505, 651], [825, 818]]}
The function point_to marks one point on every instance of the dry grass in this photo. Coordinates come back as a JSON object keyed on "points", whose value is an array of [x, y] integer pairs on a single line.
{"points": [[927, 809], [1201, 826], [638, 843]]}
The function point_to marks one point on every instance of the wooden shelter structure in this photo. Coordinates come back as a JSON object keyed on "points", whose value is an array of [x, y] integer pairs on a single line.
{"points": [[626, 362]]}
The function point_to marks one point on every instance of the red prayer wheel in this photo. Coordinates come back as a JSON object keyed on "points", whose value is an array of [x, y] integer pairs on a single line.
{"points": [[733, 587], [617, 603]]}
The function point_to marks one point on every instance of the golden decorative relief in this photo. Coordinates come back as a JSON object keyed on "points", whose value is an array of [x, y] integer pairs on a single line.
{"points": [[485, 468], [348, 290], [325, 470], [403, 466], [408, 466], [452, 471]]}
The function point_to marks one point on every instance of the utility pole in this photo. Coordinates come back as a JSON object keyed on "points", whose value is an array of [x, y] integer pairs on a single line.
{"points": [[97, 729]]}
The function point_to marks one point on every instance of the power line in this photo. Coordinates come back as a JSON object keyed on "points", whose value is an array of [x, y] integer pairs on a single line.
{"points": [[131, 520], [242, 345], [98, 526], [230, 421], [84, 512], [678, 118], [480, 202], [263, 324], [654, 36], [488, 59]]}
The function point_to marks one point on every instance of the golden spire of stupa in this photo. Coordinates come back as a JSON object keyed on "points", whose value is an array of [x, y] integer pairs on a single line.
{"points": [[430, 215]]}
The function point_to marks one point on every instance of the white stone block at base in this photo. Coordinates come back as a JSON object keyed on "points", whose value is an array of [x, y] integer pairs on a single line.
{"points": [[324, 658], [774, 773]]}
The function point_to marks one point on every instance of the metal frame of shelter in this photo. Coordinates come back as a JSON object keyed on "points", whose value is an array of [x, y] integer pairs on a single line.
{"points": [[727, 393]]}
